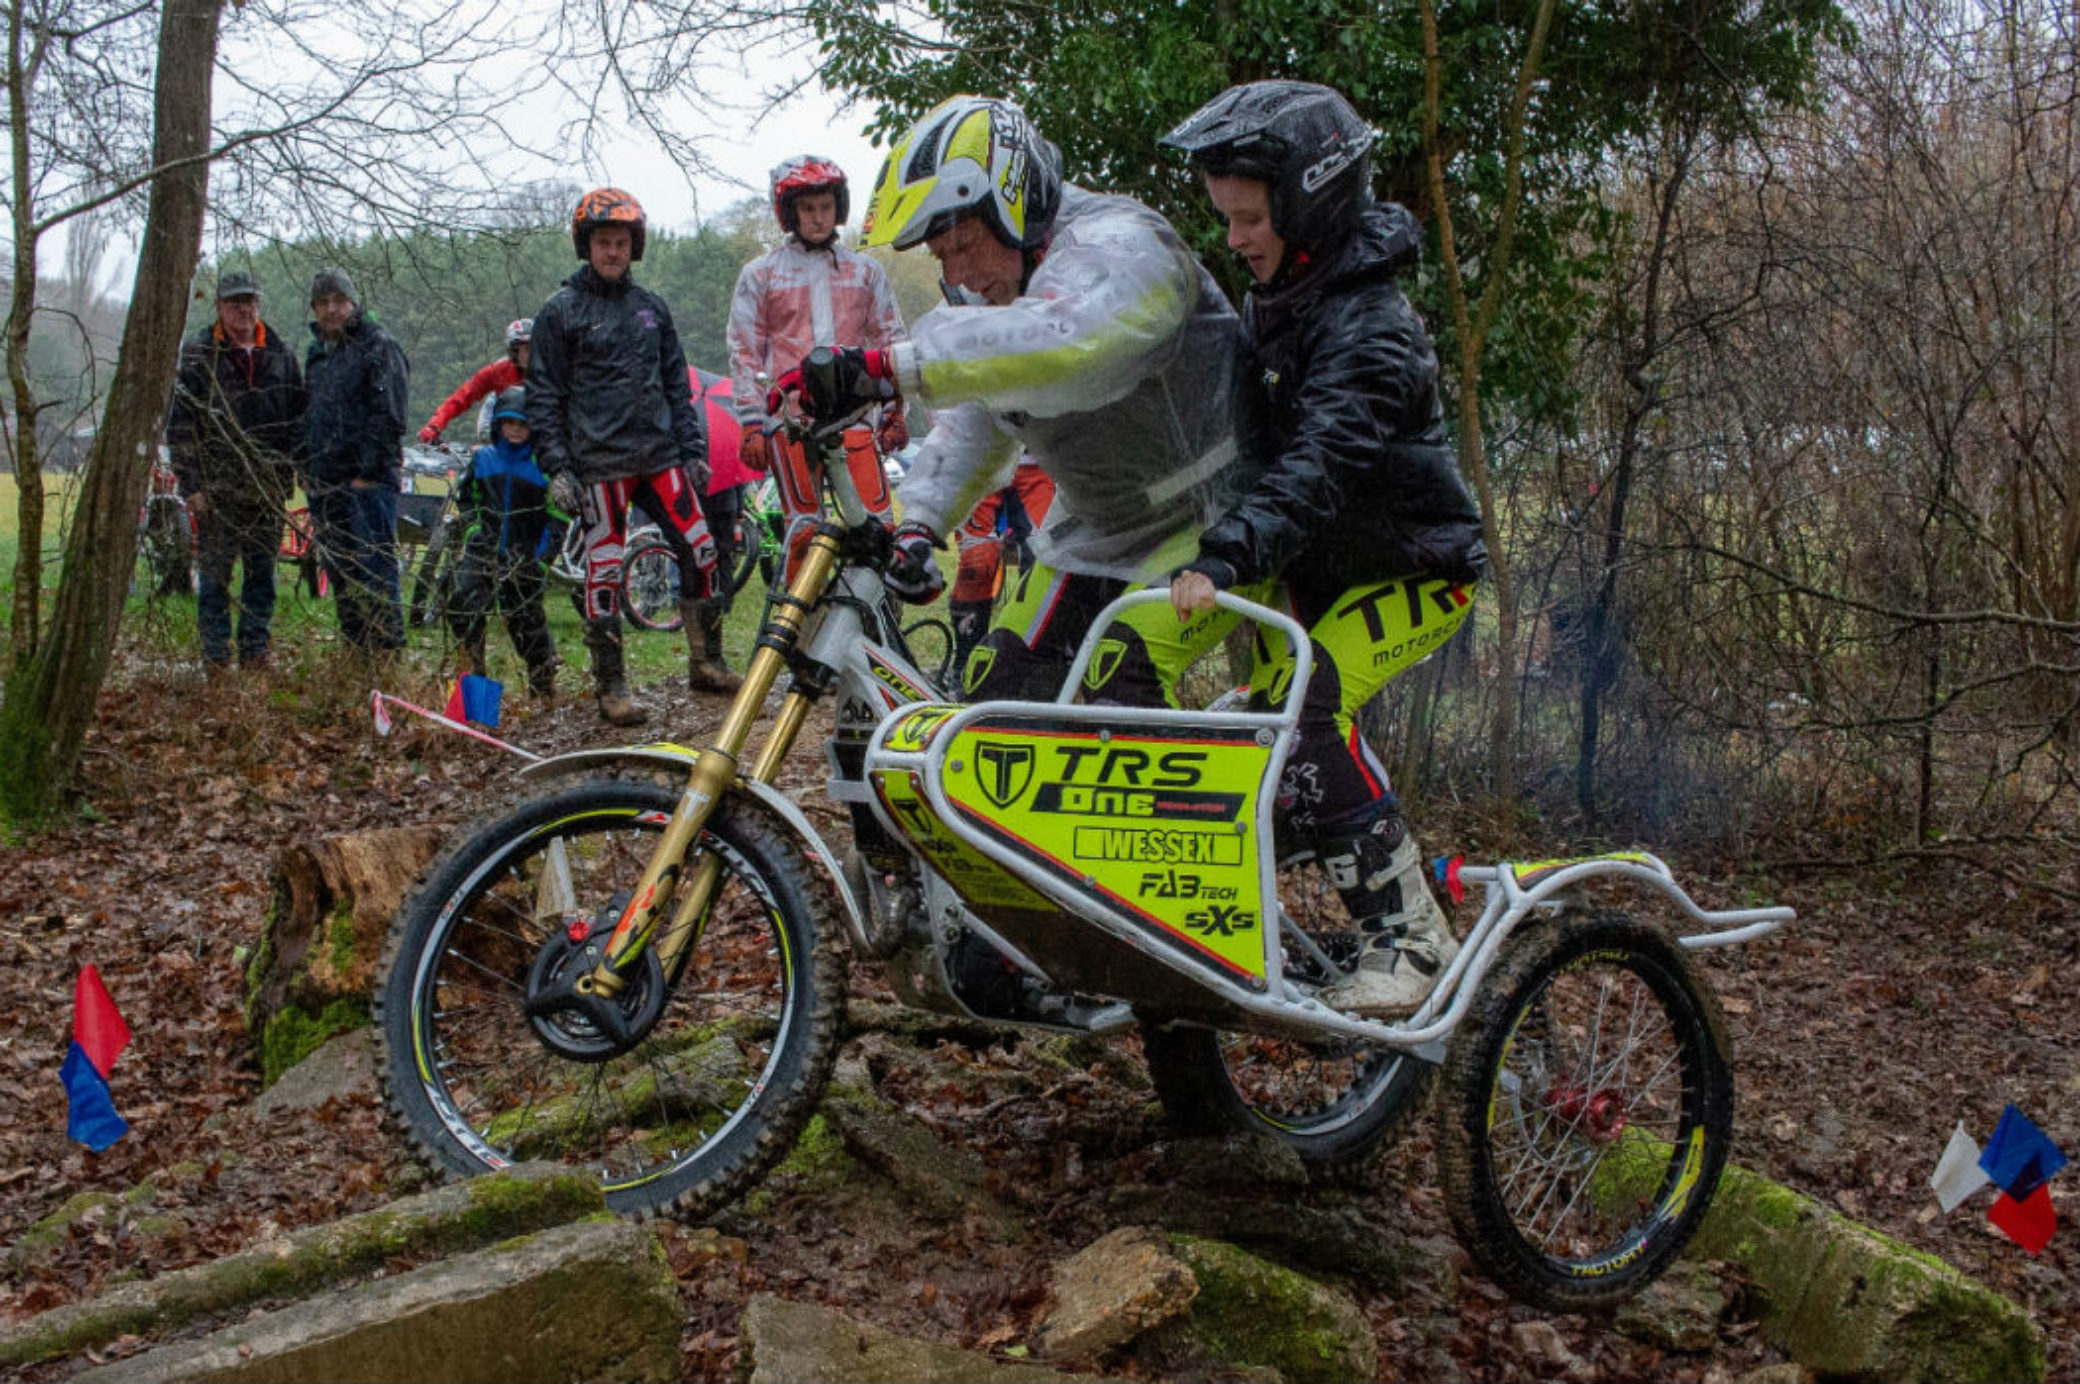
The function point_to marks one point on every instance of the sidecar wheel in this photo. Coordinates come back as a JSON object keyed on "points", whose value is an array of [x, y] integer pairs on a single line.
{"points": [[1586, 1112]]}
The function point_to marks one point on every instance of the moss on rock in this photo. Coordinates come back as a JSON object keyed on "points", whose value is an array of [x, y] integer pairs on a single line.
{"points": [[292, 1034], [1251, 1313]]}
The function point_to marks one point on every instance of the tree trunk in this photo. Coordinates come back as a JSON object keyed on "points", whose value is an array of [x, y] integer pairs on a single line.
{"points": [[50, 697], [21, 306]]}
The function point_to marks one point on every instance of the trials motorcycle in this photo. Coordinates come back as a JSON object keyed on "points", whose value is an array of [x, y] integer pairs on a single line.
{"points": [[640, 969]]}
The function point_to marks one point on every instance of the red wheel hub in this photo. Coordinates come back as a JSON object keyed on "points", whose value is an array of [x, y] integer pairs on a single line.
{"points": [[1599, 1114]]}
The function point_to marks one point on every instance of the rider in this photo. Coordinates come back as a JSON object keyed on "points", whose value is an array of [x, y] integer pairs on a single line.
{"points": [[810, 291], [614, 425], [485, 384], [1082, 330], [1356, 508], [504, 502]]}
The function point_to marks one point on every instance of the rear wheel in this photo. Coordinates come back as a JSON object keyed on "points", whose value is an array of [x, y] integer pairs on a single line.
{"points": [[718, 1071], [1587, 1111], [650, 587], [1334, 1104]]}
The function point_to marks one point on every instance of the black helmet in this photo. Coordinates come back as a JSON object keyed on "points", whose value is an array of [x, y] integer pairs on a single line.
{"points": [[510, 404], [1302, 139]]}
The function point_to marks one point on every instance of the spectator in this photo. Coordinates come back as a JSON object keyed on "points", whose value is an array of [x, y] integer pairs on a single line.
{"points": [[486, 384], [810, 291], [233, 430], [504, 504], [614, 425], [357, 375]]}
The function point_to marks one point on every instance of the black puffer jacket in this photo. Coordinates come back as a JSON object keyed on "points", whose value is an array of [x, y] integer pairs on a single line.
{"points": [[354, 427], [1350, 478], [236, 420], [608, 395]]}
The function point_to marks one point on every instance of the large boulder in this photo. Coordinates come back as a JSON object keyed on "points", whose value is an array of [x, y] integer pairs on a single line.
{"points": [[331, 904], [1251, 1314], [525, 1309]]}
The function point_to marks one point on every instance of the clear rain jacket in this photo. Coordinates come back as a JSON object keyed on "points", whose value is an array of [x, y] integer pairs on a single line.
{"points": [[1112, 370], [793, 299]]}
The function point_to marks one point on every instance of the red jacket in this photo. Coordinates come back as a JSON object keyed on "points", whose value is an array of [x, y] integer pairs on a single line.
{"points": [[725, 468], [500, 374]]}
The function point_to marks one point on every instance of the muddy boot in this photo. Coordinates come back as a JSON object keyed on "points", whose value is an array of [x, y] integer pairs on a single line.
{"points": [[609, 681], [1408, 941], [705, 670]]}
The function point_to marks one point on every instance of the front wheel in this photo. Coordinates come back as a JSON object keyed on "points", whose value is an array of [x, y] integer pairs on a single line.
{"points": [[650, 588], [1587, 1111], [723, 1064]]}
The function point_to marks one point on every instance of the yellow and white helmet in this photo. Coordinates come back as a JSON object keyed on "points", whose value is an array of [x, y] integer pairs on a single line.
{"points": [[968, 156]]}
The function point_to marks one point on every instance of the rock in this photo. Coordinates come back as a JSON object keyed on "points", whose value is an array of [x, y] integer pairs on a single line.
{"points": [[463, 1216], [1542, 1341], [1113, 1290], [135, 1215], [1846, 1299], [800, 1343], [1782, 1372], [524, 1309], [343, 1066], [1251, 1314], [939, 1180], [328, 918], [1238, 1163], [1318, 1233], [1679, 1311]]}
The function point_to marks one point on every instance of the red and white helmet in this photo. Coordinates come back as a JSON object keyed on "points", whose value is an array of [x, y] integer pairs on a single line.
{"points": [[519, 332], [807, 173]]}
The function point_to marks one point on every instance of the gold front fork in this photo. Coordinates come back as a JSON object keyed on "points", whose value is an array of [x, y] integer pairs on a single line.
{"points": [[712, 774]]}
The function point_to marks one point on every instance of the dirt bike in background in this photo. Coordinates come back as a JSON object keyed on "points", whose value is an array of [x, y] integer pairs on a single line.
{"points": [[640, 969]]}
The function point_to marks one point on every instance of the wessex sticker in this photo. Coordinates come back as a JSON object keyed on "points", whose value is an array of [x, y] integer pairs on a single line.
{"points": [[1159, 845]]}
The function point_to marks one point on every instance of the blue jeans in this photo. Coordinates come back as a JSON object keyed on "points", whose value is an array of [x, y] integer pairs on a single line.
{"points": [[356, 531], [244, 538]]}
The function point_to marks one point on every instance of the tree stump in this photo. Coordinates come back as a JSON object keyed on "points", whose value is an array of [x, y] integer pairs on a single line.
{"points": [[331, 904]]}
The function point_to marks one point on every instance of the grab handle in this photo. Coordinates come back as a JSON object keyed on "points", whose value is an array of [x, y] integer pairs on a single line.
{"points": [[1296, 639]]}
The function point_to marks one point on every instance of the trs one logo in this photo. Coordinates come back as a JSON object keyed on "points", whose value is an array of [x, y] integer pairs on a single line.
{"points": [[1005, 771]]}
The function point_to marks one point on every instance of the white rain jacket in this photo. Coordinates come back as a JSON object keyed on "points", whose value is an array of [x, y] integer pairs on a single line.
{"points": [[1112, 370], [793, 299]]}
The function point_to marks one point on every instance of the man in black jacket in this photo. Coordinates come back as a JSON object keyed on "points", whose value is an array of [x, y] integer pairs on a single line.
{"points": [[233, 429], [1357, 519], [354, 428], [611, 406]]}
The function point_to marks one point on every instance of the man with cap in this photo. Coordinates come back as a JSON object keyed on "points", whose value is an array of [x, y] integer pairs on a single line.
{"points": [[354, 429], [233, 428]]}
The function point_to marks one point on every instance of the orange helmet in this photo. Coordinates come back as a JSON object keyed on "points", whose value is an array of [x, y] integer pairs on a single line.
{"points": [[607, 206]]}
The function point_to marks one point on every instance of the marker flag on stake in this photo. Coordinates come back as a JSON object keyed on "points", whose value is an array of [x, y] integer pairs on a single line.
{"points": [[99, 1036], [1958, 1175], [382, 713]]}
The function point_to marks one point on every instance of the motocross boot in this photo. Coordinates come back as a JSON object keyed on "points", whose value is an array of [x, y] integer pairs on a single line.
{"points": [[1407, 940], [609, 680], [705, 670]]}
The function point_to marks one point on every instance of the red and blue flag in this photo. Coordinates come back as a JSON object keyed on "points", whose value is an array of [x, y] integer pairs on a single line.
{"points": [[475, 698], [99, 1036]]}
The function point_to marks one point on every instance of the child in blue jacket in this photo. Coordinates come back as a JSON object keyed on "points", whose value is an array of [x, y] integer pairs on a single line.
{"points": [[505, 510]]}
